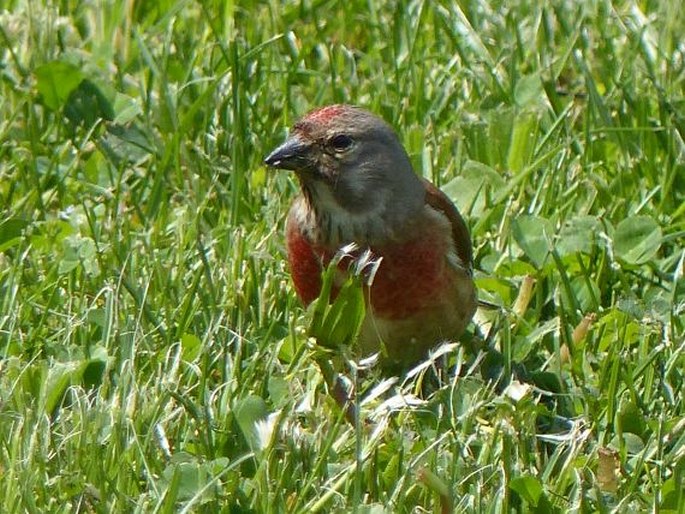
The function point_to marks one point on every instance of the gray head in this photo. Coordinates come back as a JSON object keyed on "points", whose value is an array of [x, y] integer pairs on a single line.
{"points": [[354, 172]]}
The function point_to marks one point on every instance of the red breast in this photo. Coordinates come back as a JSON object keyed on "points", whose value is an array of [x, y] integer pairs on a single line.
{"points": [[423, 291]]}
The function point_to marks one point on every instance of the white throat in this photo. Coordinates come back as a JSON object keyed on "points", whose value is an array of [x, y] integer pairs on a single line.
{"points": [[329, 224]]}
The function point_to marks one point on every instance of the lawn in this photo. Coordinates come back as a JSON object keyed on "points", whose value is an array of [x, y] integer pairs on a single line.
{"points": [[153, 354]]}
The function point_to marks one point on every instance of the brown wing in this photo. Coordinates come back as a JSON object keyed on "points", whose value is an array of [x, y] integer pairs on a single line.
{"points": [[460, 232]]}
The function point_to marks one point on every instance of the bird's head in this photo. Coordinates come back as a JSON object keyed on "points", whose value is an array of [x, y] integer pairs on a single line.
{"points": [[352, 169]]}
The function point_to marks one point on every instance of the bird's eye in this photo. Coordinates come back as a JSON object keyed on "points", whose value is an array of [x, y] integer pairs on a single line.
{"points": [[341, 142]]}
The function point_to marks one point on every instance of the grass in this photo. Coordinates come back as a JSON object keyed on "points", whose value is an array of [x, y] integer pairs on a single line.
{"points": [[153, 356]]}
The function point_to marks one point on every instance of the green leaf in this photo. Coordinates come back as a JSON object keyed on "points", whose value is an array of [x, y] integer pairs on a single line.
{"points": [[279, 391], [128, 143], [288, 348], [87, 104], [126, 109], [578, 235], [585, 291], [10, 232], [522, 142], [632, 418], [79, 251], [344, 316], [248, 411], [528, 90], [186, 477], [632, 442], [337, 324], [533, 234], [97, 317], [533, 340], [471, 189], [673, 493], [637, 239], [60, 376], [34, 380], [546, 381], [94, 369], [191, 346], [55, 81], [528, 488]]}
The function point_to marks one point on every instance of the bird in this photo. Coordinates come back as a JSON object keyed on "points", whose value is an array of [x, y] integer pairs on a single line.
{"points": [[357, 185]]}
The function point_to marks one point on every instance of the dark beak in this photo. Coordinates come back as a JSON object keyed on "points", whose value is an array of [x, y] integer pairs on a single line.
{"points": [[291, 155]]}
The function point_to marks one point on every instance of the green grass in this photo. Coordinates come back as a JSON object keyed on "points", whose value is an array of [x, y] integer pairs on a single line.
{"points": [[153, 356]]}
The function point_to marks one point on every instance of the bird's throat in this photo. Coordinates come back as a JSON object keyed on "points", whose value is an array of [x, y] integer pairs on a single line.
{"points": [[328, 224]]}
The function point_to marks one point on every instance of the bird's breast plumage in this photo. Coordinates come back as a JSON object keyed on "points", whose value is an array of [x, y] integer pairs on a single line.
{"points": [[420, 288]]}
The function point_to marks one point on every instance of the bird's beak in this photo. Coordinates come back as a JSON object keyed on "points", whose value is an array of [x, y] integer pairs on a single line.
{"points": [[291, 155]]}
